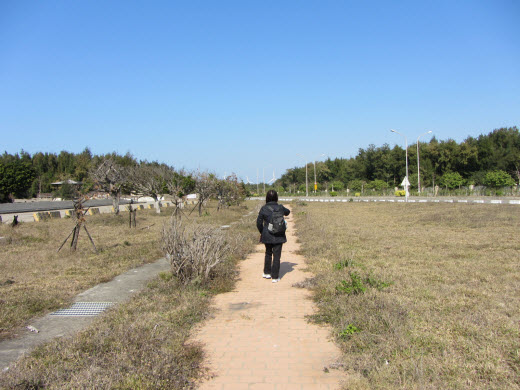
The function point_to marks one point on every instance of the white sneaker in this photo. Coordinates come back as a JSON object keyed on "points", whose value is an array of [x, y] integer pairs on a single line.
{"points": [[266, 276], [275, 280]]}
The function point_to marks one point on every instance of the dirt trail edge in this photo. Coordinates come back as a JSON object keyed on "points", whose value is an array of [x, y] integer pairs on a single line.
{"points": [[259, 337]]}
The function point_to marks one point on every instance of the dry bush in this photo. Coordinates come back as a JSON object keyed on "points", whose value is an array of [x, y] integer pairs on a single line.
{"points": [[193, 250], [199, 251], [242, 238]]}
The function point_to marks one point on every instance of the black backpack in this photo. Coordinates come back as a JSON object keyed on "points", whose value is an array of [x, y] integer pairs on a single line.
{"points": [[276, 224]]}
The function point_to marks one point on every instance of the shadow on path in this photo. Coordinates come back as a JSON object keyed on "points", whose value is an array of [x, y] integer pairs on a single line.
{"points": [[286, 267]]}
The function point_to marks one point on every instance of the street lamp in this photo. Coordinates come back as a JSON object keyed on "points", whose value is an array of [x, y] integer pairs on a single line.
{"points": [[418, 171], [315, 182], [306, 176], [406, 181]]}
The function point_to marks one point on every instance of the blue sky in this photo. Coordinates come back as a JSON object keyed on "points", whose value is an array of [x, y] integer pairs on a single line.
{"points": [[236, 86]]}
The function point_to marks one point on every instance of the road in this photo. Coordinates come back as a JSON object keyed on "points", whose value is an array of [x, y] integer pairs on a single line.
{"points": [[30, 207]]}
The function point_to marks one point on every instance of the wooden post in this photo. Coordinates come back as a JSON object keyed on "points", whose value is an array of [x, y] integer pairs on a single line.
{"points": [[90, 238], [79, 216], [75, 237]]}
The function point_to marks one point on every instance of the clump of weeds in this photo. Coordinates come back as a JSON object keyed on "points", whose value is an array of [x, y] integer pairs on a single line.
{"points": [[354, 286], [345, 263], [349, 330], [359, 285]]}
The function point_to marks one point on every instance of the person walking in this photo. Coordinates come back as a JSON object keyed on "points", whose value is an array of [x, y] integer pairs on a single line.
{"points": [[273, 242]]}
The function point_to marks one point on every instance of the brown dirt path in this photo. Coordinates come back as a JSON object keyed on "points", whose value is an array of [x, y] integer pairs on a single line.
{"points": [[259, 337]]}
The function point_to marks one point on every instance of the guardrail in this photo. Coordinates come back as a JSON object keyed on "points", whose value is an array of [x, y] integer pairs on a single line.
{"points": [[64, 213]]}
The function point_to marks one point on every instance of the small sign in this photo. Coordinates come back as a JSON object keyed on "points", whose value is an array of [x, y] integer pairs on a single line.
{"points": [[315, 186], [405, 182]]}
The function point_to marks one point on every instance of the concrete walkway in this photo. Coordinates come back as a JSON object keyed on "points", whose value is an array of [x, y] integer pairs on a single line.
{"points": [[50, 326], [259, 337]]}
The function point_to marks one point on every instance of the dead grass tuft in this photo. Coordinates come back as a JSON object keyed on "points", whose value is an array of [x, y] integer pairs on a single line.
{"points": [[307, 283]]}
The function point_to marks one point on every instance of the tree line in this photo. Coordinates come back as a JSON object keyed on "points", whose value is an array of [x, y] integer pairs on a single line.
{"points": [[26, 176], [491, 160]]}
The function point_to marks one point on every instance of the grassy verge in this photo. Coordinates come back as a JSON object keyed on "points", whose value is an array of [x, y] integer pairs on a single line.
{"points": [[142, 344], [419, 295]]}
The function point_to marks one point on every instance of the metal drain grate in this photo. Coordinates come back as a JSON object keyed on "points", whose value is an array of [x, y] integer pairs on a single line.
{"points": [[84, 309]]}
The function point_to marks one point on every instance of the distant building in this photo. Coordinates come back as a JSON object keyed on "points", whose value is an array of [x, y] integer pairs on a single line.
{"points": [[68, 181], [192, 198]]}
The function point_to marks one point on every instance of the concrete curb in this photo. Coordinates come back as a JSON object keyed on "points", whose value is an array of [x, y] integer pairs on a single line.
{"points": [[401, 200], [67, 213]]}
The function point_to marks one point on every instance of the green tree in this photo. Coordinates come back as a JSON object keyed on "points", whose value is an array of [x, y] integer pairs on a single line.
{"points": [[338, 185], [412, 178], [377, 185], [16, 177], [498, 179], [452, 180], [356, 185], [82, 165], [66, 191]]}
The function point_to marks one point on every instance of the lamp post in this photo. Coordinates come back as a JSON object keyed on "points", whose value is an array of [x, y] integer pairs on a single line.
{"points": [[418, 170], [315, 182], [306, 176], [406, 181]]}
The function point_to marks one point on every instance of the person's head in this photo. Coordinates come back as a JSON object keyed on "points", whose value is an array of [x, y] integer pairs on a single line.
{"points": [[271, 196]]}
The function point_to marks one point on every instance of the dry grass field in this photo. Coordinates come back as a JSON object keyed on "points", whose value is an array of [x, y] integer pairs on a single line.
{"points": [[140, 344], [35, 279], [420, 296]]}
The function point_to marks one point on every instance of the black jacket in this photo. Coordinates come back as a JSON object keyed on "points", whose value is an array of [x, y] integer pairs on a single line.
{"points": [[263, 220]]}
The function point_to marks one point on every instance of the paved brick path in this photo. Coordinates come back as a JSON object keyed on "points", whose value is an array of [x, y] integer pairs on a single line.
{"points": [[259, 338]]}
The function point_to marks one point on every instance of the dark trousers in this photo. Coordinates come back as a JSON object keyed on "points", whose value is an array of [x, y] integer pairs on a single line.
{"points": [[273, 252]]}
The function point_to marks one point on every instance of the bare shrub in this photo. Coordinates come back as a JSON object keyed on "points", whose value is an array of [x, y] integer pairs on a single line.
{"points": [[148, 179], [193, 250], [110, 176]]}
